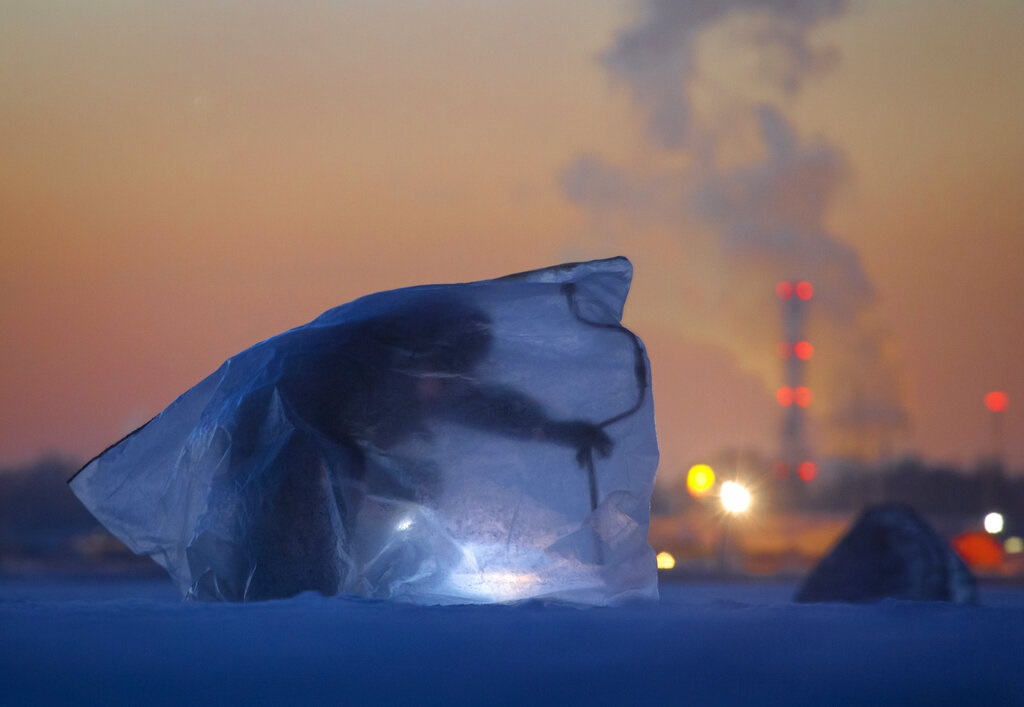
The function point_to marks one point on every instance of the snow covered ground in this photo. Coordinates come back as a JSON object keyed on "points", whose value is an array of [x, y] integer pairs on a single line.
{"points": [[91, 643]]}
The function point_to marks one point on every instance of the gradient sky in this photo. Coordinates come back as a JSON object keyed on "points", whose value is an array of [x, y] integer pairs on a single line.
{"points": [[180, 180]]}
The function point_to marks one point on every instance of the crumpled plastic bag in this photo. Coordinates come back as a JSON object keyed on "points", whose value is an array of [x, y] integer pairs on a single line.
{"points": [[483, 442]]}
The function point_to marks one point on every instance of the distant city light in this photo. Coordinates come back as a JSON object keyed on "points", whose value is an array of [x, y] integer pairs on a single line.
{"points": [[994, 523], [784, 396], [665, 560], [735, 497], [803, 350], [784, 290], [1014, 545], [807, 471], [997, 401], [804, 290], [700, 479]]}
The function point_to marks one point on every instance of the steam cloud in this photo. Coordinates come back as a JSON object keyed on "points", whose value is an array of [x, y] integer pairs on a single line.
{"points": [[747, 224]]}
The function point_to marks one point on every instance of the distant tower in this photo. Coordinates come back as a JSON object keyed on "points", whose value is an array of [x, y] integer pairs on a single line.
{"points": [[794, 395]]}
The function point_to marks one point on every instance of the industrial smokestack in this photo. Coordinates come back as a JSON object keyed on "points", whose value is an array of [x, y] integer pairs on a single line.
{"points": [[752, 221], [795, 396]]}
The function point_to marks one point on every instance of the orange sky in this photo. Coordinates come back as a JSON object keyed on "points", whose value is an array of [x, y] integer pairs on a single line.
{"points": [[180, 180]]}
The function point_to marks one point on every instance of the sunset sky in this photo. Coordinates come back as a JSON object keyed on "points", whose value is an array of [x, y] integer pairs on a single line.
{"points": [[180, 180]]}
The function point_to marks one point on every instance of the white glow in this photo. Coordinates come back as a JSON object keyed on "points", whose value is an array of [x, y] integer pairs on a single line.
{"points": [[491, 573], [994, 523], [404, 524], [501, 585], [735, 497]]}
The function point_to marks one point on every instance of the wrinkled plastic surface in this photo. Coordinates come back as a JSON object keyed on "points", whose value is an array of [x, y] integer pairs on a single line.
{"points": [[482, 442]]}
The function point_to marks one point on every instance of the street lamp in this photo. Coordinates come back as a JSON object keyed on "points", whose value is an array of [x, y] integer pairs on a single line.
{"points": [[735, 498]]}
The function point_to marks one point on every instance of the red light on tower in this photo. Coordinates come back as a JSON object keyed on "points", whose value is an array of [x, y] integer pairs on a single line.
{"points": [[803, 350], [804, 290], [802, 396], [784, 290], [997, 401], [807, 471], [785, 396]]}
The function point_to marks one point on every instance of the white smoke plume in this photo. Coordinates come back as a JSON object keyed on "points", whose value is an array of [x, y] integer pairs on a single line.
{"points": [[657, 57], [747, 222]]}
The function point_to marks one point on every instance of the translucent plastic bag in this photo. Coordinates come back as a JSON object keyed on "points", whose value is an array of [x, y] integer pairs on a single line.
{"points": [[480, 442]]}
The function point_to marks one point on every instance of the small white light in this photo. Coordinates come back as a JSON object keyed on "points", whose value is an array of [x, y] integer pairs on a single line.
{"points": [[404, 524], [735, 497], [994, 523]]}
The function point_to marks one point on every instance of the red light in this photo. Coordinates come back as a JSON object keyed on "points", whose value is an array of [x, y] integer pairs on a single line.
{"points": [[804, 290], [807, 471], [784, 290], [785, 396], [803, 350], [979, 549], [997, 401], [802, 396]]}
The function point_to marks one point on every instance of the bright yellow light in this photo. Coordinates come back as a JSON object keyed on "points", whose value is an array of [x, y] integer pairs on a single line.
{"points": [[994, 523], [1014, 545], [666, 561], [735, 497], [700, 479]]}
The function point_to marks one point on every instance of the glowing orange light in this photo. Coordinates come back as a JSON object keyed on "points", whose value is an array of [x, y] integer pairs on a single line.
{"points": [[803, 350], [997, 401], [802, 396], [804, 290], [785, 396], [784, 290], [979, 549], [807, 471], [700, 479]]}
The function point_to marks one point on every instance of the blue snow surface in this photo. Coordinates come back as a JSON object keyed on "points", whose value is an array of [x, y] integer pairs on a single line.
{"points": [[118, 643]]}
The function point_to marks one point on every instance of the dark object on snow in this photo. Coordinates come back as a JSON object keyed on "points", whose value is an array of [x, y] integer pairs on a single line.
{"points": [[890, 553], [486, 441]]}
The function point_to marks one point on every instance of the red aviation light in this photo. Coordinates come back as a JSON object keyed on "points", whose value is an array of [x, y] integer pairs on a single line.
{"points": [[785, 396], [997, 401], [807, 471], [804, 290], [802, 396], [803, 350], [784, 290]]}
